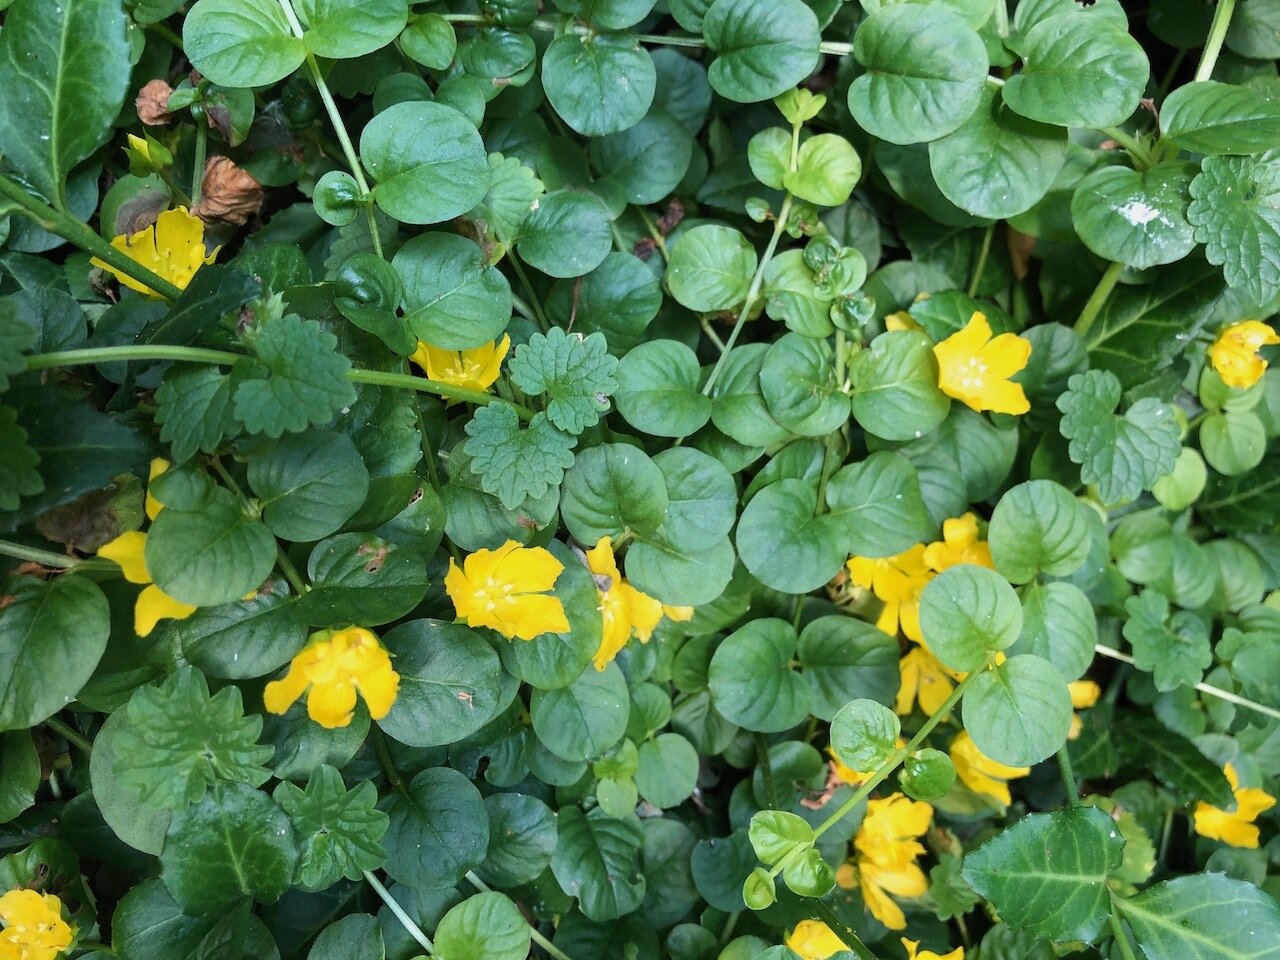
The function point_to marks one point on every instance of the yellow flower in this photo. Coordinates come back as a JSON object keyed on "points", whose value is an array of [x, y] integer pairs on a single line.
{"points": [[855, 778], [974, 367], [814, 940], [900, 321], [1235, 826], [922, 677], [172, 248], [914, 953], [475, 369], [1234, 354], [897, 582], [980, 773], [330, 670], [624, 609], [505, 590], [887, 848], [128, 550], [1084, 694], [959, 544], [33, 926]]}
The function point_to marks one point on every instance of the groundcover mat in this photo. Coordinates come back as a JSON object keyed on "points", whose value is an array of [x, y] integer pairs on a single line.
{"points": [[639, 480]]}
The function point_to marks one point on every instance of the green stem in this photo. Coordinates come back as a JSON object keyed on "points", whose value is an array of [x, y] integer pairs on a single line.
{"points": [[290, 571], [1213, 43], [162, 29], [71, 229], [1093, 306], [73, 358], [538, 315], [664, 39], [766, 770], [197, 169], [70, 734], [384, 760], [47, 558], [981, 263], [754, 291], [1211, 690], [1068, 777], [406, 921], [1141, 156], [1117, 931], [898, 756], [818, 910], [534, 933]]}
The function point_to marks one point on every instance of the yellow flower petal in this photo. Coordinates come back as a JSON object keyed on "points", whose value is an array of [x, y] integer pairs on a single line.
{"points": [[502, 590], [1084, 693], [333, 704], [155, 605], [1234, 826], [172, 248], [526, 569], [921, 678], [154, 506], [33, 926], [127, 550], [814, 940], [975, 369], [475, 369], [1234, 354], [532, 615], [914, 953], [980, 773], [279, 695]]}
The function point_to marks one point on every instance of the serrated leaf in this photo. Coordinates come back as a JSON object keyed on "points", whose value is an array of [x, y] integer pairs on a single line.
{"points": [[1174, 650], [575, 372], [513, 194], [305, 382], [18, 474], [515, 464], [177, 741], [1205, 916], [16, 335], [339, 831], [1123, 455], [1235, 208], [194, 409], [1048, 872]]}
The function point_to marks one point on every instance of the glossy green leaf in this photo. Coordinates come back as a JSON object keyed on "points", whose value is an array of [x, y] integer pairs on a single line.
{"points": [[1139, 219], [763, 47], [595, 861], [439, 830], [339, 831], [487, 926], [1019, 712], [452, 297], [711, 268], [1215, 118], [968, 612], [1235, 208], [600, 84], [1204, 915], [1038, 527], [752, 683]]}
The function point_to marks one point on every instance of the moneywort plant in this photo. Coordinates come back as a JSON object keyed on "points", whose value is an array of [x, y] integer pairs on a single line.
{"points": [[639, 479]]}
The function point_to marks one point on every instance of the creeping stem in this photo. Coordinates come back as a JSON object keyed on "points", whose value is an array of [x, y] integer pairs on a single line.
{"points": [[69, 228]]}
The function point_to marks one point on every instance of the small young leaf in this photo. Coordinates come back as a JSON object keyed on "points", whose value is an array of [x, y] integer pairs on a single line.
{"points": [[575, 372], [514, 464], [1175, 650], [339, 831]]}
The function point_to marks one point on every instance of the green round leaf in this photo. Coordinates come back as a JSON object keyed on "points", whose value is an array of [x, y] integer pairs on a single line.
{"points": [[1038, 527], [341, 29], [1019, 712], [846, 659], [247, 638], [1233, 442], [711, 268], [1215, 118], [439, 830], [1139, 219], [619, 298], [236, 842], [449, 683], [967, 612], [241, 43], [799, 386], [209, 556], [783, 542], [309, 484], [52, 636], [600, 84], [679, 576], [595, 861], [737, 403], [586, 718], [142, 828], [567, 236], [1058, 624], [877, 505], [487, 926], [864, 734], [430, 40], [827, 170], [668, 771], [658, 389], [428, 160], [360, 578], [925, 70], [646, 161], [1077, 73], [702, 500], [997, 164], [453, 298], [763, 47], [752, 683], [927, 775], [775, 833], [522, 838], [612, 488], [895, 387]]}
